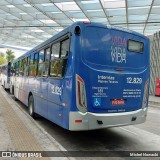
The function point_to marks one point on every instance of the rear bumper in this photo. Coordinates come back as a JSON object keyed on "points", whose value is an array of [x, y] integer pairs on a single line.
{"points": [[91, 121]]}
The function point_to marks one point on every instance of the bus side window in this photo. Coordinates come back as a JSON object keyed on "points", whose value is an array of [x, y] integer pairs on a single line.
{"points": [[21, 67], [55, 60], [46, 63], [41, 64], [64, 56], [26, 66], [32, 66], [65, 48], [59, 58], [55, 51]]}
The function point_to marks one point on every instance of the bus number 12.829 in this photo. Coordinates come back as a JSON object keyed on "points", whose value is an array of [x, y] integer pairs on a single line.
{"points": [[134, 80]]}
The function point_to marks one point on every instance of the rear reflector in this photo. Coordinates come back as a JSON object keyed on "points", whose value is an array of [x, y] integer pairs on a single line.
{"points": [[78, 121]]}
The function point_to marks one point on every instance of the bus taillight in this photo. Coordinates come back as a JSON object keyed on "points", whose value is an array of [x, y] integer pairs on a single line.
{"points": [[145, 95], [81, 100]]}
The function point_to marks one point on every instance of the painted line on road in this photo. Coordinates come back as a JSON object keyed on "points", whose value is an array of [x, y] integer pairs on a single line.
{"points": [[128, 131]]}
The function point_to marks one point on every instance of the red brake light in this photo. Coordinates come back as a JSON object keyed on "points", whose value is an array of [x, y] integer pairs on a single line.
{"points": [[78, 121]]}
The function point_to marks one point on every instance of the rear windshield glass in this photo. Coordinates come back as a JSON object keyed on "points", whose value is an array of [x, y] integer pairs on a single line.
{"points": [[109, 47], [135, 46]]}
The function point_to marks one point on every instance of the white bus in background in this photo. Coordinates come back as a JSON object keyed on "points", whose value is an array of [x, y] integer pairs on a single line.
{"points": [[5, 74]]}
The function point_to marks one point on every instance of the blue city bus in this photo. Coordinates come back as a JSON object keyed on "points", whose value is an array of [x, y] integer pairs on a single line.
{"points": [[5, 74], [89, 76]]}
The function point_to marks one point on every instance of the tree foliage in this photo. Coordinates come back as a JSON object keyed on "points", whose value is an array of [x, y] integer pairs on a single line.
{"points": [[2, 54], [10, 55], [2, 58]]}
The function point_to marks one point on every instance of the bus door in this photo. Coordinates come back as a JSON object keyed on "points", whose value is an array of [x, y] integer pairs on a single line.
{"points": [[42, 82], [32, 81], [16, 78], [25, 80], [21, 80], [56, 88]]}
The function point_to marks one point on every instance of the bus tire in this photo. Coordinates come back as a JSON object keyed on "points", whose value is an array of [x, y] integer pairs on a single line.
{"points": [[31, 107]]}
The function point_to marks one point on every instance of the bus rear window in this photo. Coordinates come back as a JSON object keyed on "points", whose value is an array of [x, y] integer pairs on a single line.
{"points": [[135, 46]]}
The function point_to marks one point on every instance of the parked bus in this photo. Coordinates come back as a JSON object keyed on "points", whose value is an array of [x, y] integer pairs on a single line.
{"points": [[88, 76], [5, 74]]}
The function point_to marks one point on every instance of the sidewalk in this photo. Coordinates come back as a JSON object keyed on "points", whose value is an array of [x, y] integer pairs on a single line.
{"points": [[19, 132], [154, 100]]}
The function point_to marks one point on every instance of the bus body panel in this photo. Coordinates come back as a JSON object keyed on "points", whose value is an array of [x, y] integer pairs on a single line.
{"points": [[92, 121], [104, 84], [105, 93], [41, 96], [32, 90], [60, 92], [55, 100]]}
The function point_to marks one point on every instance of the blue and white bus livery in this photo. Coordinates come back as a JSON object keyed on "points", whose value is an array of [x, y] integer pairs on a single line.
{"points": [[88, 76]]}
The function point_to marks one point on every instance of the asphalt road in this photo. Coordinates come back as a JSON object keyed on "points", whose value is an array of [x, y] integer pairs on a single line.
{"points": [[142, 137]]}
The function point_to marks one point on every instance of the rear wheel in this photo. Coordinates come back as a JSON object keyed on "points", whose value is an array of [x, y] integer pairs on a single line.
{"points": [[31, 107]]}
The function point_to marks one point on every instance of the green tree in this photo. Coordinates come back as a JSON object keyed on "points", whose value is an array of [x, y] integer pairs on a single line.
{"points": [[2, 58], [2, 54], [10, 55]]}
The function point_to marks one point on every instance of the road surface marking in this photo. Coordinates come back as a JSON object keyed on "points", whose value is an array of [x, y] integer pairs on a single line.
{"points": [[128, 130]]}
